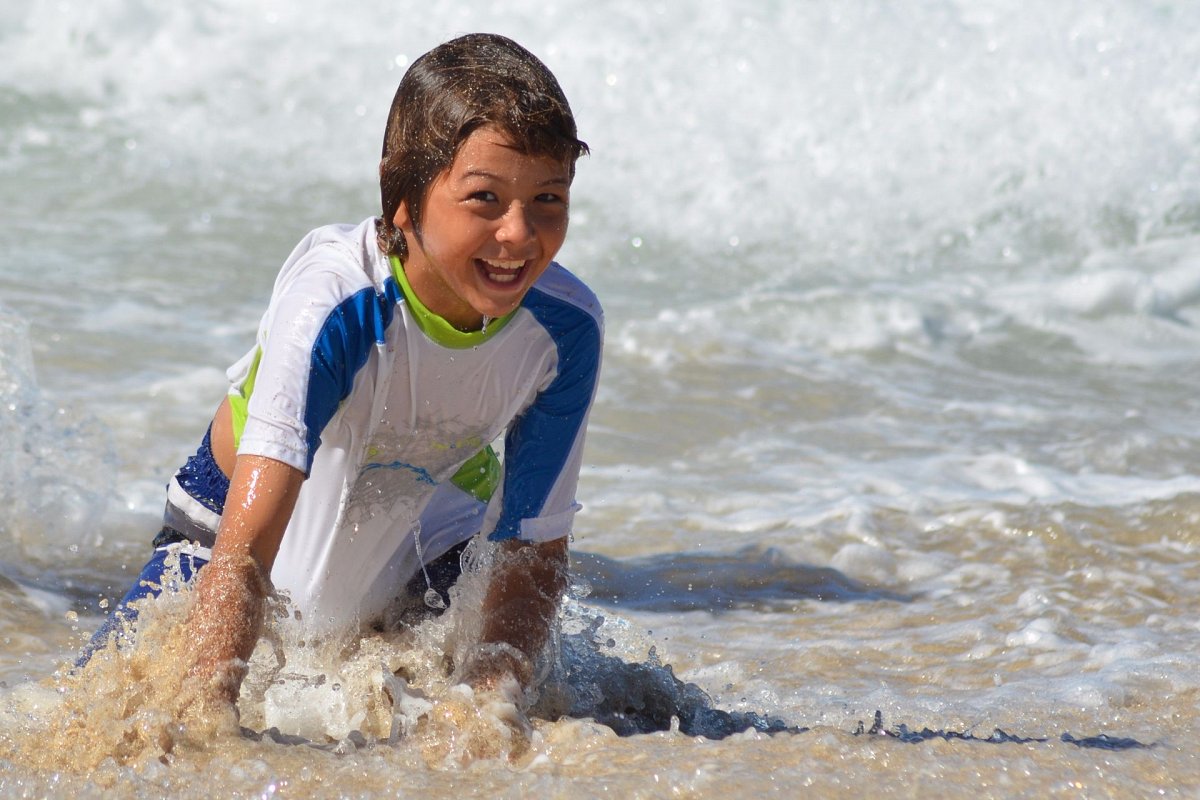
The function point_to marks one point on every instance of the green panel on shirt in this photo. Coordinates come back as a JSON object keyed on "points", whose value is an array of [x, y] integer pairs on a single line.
{"points": [[480, 476], [238, 401]]}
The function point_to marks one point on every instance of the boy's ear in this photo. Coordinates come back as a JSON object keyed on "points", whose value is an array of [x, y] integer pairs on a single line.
{"points": [[402, 220]]}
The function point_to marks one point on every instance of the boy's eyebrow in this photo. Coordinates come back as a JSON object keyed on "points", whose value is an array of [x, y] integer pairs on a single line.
{"points": [[483, 173]]}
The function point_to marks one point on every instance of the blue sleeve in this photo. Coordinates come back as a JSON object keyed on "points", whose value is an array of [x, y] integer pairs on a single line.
{"points": [[339, 352], [543, 447]]}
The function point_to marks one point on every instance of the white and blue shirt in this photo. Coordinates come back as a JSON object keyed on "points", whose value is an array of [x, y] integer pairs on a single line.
{"points": [[381, 404]]}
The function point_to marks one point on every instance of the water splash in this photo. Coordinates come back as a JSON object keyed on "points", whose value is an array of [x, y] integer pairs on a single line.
{"points": [[57, 464], [633, 697]]}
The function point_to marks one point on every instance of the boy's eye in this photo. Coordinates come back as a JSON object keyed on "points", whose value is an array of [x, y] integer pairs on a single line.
{"points": [[483, 196], [551, 197]]}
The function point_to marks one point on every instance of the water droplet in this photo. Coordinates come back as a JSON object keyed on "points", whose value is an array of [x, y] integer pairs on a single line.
{"points": [[434, 599]]}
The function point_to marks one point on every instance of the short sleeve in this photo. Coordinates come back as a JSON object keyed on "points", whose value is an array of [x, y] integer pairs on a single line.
{"points": [[315, 337], [543, 448]]}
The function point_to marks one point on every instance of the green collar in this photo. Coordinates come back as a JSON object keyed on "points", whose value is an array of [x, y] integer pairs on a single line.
{"points": [[437, 328]]}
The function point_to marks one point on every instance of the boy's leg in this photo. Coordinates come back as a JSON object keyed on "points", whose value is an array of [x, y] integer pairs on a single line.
{"points": [[450, 520], [439, 575], [149, 583], [419, 569]]}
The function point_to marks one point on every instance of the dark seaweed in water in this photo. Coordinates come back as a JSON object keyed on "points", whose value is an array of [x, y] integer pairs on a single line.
{"points": [[1102, 741], [1105, 742]]}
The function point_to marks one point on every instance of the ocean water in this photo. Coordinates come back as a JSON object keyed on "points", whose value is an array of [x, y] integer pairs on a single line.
{"points": [[898, 414]]}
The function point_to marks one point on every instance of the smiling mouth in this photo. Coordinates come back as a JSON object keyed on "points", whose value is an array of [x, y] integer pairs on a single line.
{"points": [[501, 270]]}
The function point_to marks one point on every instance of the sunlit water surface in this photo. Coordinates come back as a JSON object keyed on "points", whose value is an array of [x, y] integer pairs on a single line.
{"points": [[899, 407]]}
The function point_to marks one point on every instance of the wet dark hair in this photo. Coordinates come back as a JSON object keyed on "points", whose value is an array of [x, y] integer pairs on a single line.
{"points": [[474, 81]]}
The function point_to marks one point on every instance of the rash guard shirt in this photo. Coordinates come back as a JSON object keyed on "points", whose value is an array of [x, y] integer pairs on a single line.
{"points": [[380, 403]]}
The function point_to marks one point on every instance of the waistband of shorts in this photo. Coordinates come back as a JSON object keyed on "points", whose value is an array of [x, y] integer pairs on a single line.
{"points": [[170, 540], [188, 517]]}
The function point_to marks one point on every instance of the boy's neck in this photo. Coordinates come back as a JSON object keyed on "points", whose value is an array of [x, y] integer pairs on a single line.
{"points": [[438, 328]]}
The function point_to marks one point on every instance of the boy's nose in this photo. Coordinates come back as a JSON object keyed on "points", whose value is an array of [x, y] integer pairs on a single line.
{"points": [[516, 226]]}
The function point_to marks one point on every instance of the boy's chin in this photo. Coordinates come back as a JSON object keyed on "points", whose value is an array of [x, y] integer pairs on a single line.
{"points": [[496, 311], [497, 304]]}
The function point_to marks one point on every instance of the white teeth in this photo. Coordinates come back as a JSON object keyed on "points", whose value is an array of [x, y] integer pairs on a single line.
{"points": [[510, 267]]}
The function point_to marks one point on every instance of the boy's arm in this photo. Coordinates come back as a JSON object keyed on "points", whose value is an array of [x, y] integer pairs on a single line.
{"points": [[519, 611], [227, 617]]}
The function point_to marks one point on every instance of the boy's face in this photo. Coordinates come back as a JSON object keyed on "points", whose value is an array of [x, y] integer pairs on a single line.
{"points": [[491, 224]]}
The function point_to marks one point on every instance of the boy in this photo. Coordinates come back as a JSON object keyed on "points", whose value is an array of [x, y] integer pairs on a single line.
{"points": [[351, 457]]}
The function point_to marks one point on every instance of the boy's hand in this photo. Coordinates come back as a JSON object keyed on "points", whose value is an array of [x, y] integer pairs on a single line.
{"points": [[233, 587], [519, 611], [226, 620], [467, 725], [498, 667]]}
